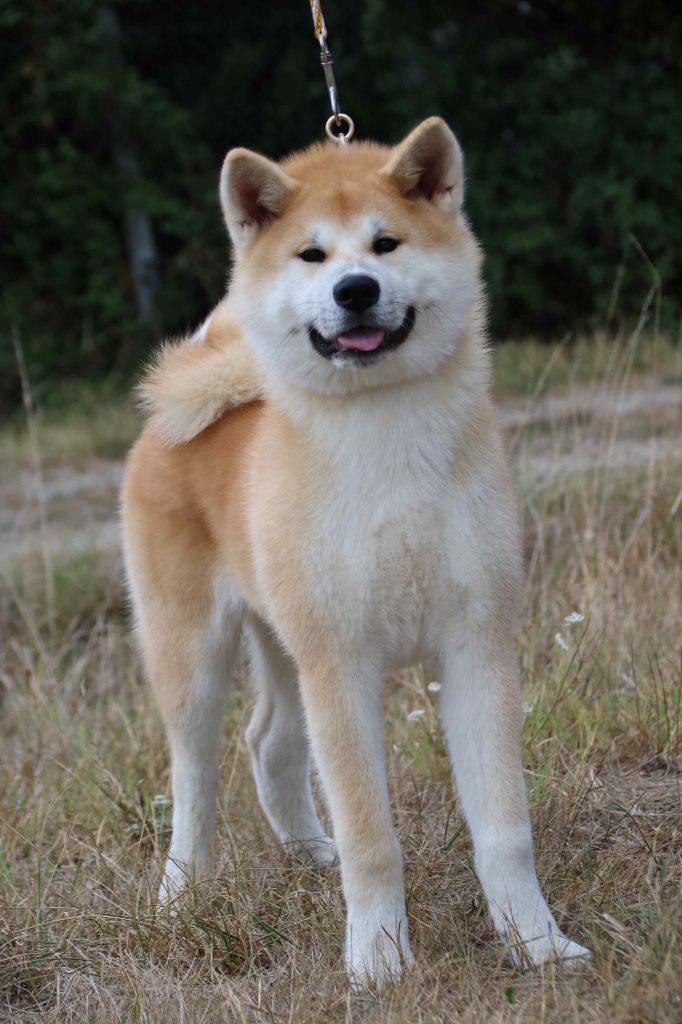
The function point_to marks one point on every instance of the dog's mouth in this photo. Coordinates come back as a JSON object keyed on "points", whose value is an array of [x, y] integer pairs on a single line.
{"points": [[363, 344]]}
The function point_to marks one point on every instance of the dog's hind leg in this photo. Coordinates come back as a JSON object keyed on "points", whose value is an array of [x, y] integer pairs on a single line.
{"points": [[188, 620], [278, 744], [203, 666]]}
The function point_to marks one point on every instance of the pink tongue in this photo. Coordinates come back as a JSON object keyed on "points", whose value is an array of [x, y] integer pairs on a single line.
{"points": [[365, 339]]}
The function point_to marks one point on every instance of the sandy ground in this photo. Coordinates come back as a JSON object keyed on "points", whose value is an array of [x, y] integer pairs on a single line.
{"points": [[74, 507]]}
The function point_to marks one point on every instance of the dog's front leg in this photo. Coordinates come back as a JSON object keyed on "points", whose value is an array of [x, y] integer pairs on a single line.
{"points": [[481, 711], [343, 711]]}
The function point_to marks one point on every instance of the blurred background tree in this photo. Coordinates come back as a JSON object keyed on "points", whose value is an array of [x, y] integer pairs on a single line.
{"points": [[116, 116]]}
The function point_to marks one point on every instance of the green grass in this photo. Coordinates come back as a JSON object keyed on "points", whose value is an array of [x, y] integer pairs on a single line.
{"points": [[526, 367], [80, 420]]}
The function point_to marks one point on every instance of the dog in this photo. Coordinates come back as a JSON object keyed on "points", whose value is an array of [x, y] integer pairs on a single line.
{"points": [[321, 471]]}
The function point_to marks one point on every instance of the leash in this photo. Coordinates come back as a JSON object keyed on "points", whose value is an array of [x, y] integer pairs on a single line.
{"points": [[339, 126]]}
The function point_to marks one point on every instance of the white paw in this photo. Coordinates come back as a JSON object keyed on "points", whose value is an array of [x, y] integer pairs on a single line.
{"points": [[547, 948], [376, 955], [320, 851], [174, 882]]}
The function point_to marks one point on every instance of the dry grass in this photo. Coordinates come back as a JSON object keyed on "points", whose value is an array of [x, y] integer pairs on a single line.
{"points": [[84, 771]]}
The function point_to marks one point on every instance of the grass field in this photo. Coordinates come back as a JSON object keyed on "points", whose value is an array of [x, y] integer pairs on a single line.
{"points": [[595, 435]]}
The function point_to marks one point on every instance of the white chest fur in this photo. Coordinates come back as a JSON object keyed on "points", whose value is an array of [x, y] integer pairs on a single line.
{"points": [[381, 542]]}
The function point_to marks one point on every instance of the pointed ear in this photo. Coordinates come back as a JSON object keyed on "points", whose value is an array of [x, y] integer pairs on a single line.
{"points": [[253, 191], [428, 164]]}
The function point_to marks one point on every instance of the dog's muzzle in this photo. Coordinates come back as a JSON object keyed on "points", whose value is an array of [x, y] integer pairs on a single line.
{"points": [[353, 354]]}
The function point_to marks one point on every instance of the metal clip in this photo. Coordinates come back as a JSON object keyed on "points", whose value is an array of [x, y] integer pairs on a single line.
{"points": [[339, 127], [328, 67]]}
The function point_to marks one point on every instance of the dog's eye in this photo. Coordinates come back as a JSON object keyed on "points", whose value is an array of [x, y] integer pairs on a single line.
{"points": [[384, 244], [312, 255]]}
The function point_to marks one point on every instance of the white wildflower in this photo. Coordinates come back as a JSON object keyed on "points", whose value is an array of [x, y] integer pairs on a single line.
{"points": [[160, 800], [527, 707], [434, 687], [415, 715], [573, 618], [560, 642]]}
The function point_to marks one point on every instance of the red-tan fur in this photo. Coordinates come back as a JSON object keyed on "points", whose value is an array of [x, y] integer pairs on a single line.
{"points": [[194, 381], [236, 516]]}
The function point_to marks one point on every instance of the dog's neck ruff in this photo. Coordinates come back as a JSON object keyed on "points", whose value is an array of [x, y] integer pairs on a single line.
{"points": [[406, 431]]}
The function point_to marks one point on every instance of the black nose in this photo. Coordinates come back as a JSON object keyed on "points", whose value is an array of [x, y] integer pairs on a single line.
{"points": [[356, 292]]}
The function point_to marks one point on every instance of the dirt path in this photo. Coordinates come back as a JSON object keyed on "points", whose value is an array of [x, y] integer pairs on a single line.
{"points": [[78, 506], [562, 433]]}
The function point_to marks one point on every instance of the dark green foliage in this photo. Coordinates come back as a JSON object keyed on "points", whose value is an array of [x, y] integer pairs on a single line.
{"points": [[568, 112]]}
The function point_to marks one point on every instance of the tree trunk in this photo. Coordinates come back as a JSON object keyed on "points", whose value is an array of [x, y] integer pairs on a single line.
{"points": [[139, 231]]}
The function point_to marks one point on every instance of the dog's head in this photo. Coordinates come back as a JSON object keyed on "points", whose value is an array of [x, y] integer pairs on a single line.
{"points": [[354, 266]]}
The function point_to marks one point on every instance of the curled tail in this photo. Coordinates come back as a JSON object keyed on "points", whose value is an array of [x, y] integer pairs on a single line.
{"points": [[192, 382]]}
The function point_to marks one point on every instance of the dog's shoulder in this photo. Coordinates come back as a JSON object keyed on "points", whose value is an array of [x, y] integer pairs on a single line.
{"points": [[193, 381]]}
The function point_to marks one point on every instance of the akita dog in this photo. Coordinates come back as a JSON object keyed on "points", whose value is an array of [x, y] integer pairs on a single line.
{"points": [[322, 471]]}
